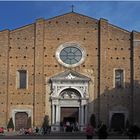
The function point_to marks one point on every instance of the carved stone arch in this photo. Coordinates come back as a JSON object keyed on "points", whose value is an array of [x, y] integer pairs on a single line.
{"points": [[70, 93], [78, 83], [74, 88]]}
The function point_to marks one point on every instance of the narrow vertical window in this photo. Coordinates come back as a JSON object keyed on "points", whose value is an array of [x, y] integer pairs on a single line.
{"points": [[119, 78], [22, 79]]}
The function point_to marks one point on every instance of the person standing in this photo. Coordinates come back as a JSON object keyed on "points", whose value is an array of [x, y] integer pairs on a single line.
{"points": [[133, 131], [67, 126], [89, 131], [136, 131], [76, 126], [102, 132]]}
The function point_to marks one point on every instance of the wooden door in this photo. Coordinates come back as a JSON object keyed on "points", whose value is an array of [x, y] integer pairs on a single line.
{"points": [[21, 119]]}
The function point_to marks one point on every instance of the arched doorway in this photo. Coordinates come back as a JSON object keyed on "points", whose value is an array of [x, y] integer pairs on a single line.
{"points": [[70, 113], [69, 107], [21, 119], [118, 121], [69, 99]]}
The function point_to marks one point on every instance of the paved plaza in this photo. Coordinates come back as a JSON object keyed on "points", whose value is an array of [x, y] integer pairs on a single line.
{"points": [[60, 136]]}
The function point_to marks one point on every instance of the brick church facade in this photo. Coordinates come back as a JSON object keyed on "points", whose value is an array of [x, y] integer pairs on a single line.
{"points": [[68, 68]]}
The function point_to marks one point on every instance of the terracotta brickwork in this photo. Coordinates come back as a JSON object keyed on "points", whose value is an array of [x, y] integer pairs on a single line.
{"points": [[33, 48]]}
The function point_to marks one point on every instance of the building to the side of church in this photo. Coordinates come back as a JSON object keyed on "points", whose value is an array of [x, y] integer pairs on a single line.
{"points": [[68, 68]]}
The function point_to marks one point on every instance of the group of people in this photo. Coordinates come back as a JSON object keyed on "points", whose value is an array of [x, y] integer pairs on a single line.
{"points": [[132, 131], [35, 131], [101, 131], [70, 126]]}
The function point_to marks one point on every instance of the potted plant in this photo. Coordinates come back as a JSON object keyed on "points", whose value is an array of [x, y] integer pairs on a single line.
{"points": [[10, 125]]}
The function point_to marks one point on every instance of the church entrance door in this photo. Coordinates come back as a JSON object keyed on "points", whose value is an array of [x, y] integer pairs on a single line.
{"points": [[117, 121], [70, 114], [69, 99], [21, 119]]}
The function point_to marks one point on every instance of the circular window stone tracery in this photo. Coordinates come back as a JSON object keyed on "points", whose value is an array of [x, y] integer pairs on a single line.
{"points": [[70, 54]]}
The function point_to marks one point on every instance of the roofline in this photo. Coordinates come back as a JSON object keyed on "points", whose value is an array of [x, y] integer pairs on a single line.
{"points": [[136, 31], [47, 20], [4, 30], [69, 13], [18, 28], [120, 28]]}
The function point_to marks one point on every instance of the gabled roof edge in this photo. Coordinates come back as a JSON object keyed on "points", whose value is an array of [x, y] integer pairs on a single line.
{"points": [[70, 13]]}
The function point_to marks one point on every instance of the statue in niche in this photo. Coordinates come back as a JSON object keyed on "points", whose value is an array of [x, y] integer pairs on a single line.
{"points": [[73, 95], [69, 94], [66, 96]]}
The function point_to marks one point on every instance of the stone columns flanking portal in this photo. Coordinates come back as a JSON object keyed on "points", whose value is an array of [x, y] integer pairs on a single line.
{"points": [[69, 89]]}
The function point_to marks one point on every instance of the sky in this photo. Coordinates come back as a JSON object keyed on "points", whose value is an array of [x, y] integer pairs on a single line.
{"points": [[15, 14]]}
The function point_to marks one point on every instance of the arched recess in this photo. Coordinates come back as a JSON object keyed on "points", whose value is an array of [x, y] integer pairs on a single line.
{"points": [[120, 115], [118, 121], [70, 93], [21, 120], [69, 112]]}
